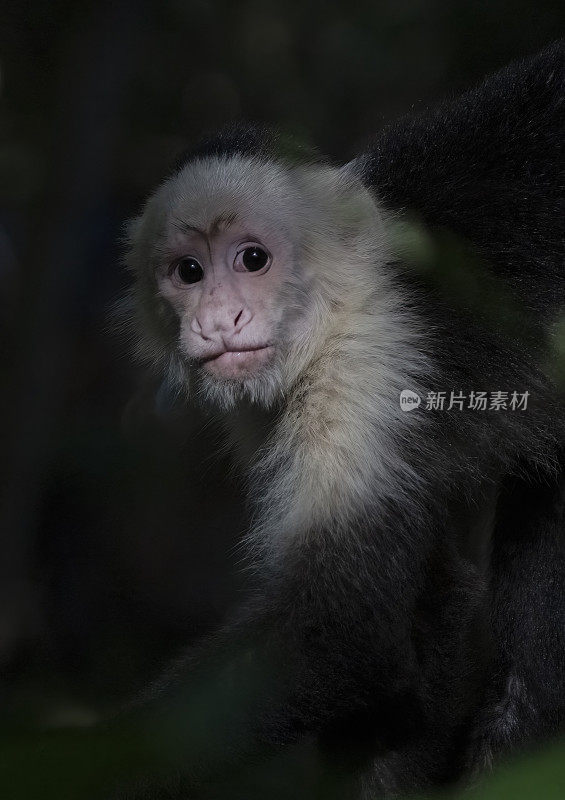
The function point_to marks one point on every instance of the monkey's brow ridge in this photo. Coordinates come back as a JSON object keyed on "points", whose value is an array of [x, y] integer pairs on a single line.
{"points": [[221, 222]]}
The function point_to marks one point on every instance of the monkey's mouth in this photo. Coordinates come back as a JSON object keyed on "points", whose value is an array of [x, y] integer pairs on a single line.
{"points": [[237, 363]]}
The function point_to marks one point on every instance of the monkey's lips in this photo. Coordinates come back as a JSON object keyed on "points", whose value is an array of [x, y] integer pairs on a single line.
{"points": [[238, 363]]}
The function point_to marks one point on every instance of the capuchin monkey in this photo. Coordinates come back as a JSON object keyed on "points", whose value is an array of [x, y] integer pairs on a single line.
{"points": [[406, 622]]}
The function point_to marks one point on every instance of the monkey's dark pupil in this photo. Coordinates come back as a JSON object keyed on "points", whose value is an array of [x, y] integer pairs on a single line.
{"points": [[189, 270], [254, 259]]}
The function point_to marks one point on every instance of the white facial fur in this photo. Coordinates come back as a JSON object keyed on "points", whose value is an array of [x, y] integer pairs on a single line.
{"points": [[342, 340], [244, 333]]}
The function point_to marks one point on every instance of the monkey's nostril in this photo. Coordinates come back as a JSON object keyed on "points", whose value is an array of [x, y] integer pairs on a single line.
{"points": [[236, 320]]}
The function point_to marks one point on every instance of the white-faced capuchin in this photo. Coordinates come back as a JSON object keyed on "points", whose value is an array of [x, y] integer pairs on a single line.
{"points": [[406, 622]]}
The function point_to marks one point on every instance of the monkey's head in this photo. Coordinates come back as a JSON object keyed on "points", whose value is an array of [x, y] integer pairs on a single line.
{"points": [[241, 266]]}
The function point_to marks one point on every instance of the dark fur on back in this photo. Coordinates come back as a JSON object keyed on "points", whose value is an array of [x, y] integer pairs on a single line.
{"points": [[490, 166]]}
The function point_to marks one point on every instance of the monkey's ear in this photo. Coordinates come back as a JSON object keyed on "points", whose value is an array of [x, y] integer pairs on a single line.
{"points": [[356, 209]]}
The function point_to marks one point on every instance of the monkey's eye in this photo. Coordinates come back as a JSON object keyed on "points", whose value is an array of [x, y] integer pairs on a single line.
{"points": [[252, 259], [186, 270]]}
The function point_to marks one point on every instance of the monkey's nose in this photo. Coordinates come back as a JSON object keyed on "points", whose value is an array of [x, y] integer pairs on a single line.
{"points": [[242, 318], [227, 323]]}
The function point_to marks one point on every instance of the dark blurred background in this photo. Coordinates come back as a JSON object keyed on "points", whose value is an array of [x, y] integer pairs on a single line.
{"points": [[118, 524]]}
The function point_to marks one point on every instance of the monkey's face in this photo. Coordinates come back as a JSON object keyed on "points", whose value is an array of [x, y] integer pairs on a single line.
{"points": [[218, 278], [240, 268], [223, 282]]}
